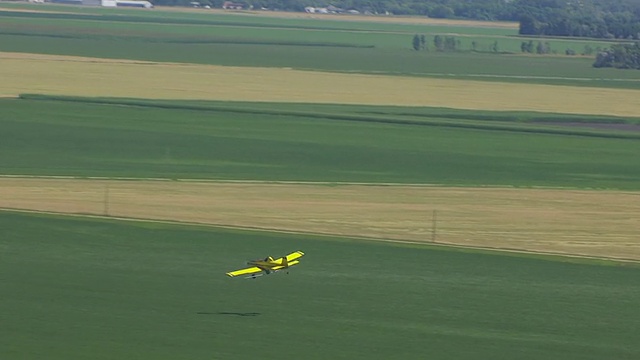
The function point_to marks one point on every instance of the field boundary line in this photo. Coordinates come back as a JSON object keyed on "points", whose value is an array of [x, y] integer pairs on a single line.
{"points": [[301, 182], [321, 234], [11, 55]]}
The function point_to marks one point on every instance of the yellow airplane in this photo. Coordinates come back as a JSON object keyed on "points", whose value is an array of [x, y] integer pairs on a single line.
{"points": [[268, 265]]}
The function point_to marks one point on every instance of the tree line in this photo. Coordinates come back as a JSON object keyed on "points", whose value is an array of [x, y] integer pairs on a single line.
{"points": [[612, 19], [443, 43], [620, 56]]}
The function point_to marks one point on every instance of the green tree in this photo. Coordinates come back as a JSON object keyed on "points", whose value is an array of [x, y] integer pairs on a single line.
{"points": [[442, 12], [450, 43], [620, 56], [543, 48], [416, 42], [588, 50], [528, 25], [494, 47], [527, 46], [438, 42]]}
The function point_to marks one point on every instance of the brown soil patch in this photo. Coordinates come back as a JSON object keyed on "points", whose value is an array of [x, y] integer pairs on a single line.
{"points": [[590, 223], [66, 75]]}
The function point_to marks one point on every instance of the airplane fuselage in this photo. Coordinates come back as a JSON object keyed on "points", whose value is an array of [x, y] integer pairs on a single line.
{"points": [[268, 265]]}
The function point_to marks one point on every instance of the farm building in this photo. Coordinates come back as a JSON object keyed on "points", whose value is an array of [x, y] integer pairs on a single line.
{"points": [[106, 3], [132, 3], [230, 5]]}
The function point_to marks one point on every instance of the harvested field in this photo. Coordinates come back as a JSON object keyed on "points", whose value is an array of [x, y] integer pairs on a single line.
{"points": [[65, 75], [590, 223]]}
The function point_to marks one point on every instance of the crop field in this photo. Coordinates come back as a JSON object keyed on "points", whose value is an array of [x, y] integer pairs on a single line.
{"points": [[143, 154], [99, 289], [228, 141], [327, 45], [77, 76], [587, 223], [294, 143]]}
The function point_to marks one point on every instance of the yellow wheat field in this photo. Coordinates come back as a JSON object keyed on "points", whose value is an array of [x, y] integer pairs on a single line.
{"points": [[590, 223], [65, 75]]}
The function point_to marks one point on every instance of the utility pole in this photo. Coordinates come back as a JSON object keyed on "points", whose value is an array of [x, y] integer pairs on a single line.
{"points": [[434, 225], [106, 200]]}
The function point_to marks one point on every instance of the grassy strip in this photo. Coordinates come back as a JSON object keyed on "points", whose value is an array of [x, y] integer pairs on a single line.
{"points": [[153, 20], [93, 139], [454, 118], [190, 40]]}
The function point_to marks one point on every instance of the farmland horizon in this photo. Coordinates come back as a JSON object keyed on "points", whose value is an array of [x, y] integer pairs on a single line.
{"points": [[467, 203]]}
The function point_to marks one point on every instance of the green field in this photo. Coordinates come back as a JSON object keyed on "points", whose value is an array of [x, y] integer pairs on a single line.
{"points": [[341, 46], [319, 143], [254, 19], [101, 289], [88, 288]]}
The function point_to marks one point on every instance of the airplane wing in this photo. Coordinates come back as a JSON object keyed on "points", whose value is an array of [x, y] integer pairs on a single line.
{"points": [[294, 256], [247, 271], [278, 267]]}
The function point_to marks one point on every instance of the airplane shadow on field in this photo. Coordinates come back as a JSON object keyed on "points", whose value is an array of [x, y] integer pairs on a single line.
{"points": [[230, 313]]}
